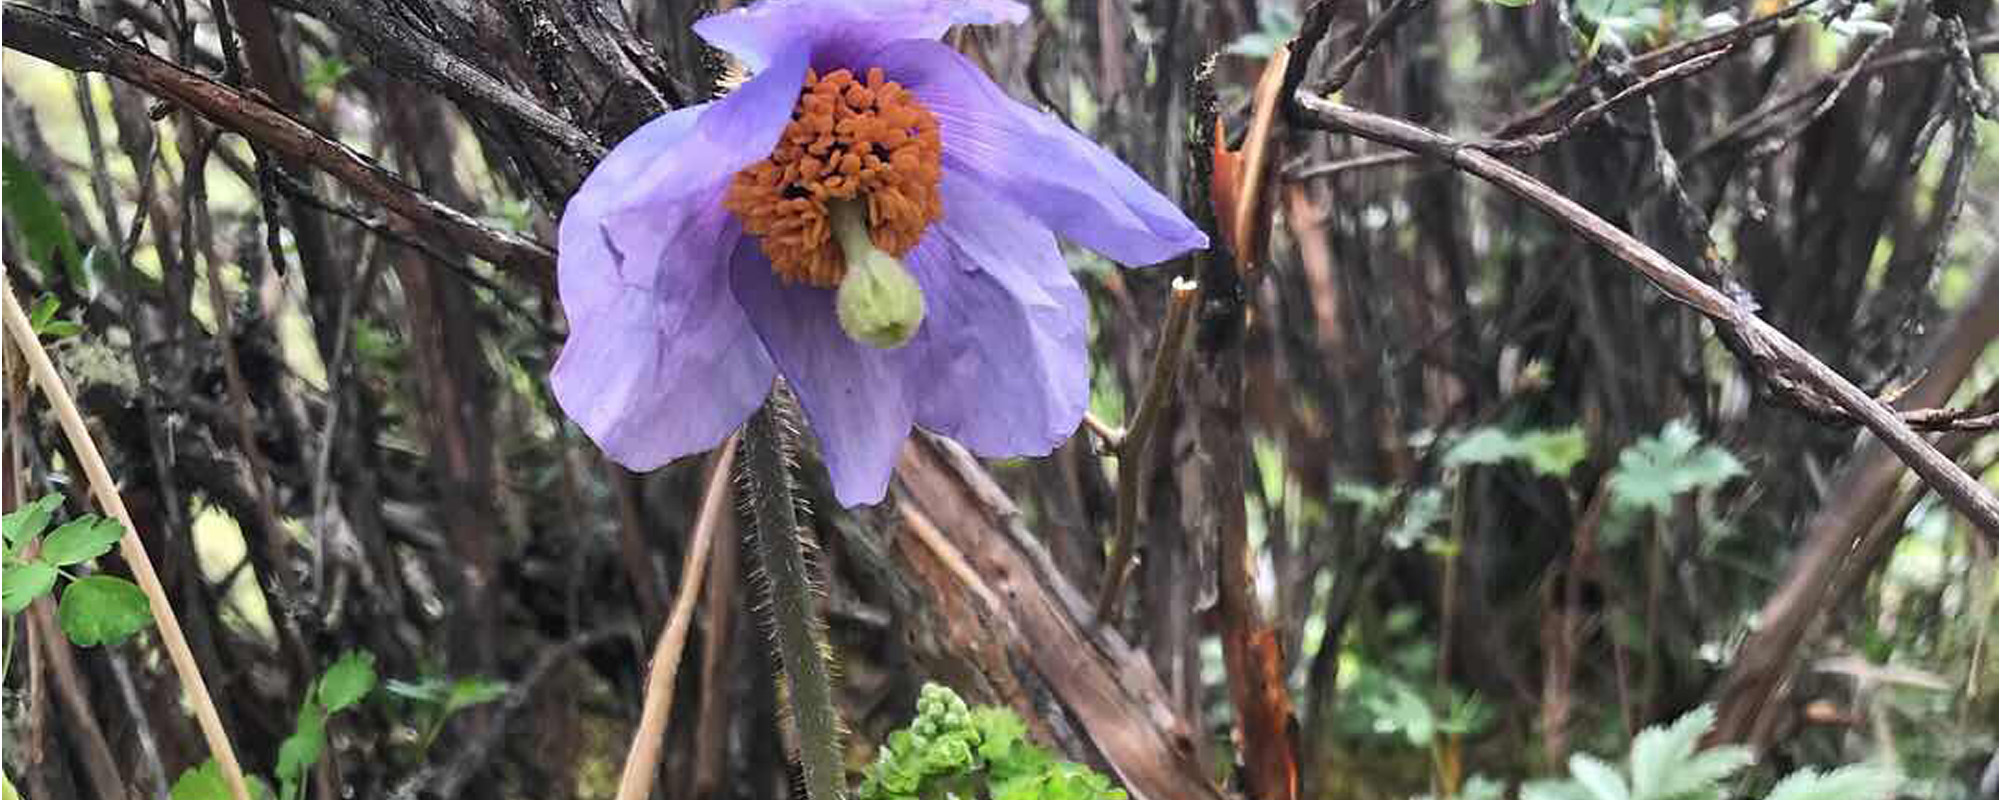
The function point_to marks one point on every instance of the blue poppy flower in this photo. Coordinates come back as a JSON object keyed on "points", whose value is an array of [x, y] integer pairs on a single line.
{"points": [[870, 217]]}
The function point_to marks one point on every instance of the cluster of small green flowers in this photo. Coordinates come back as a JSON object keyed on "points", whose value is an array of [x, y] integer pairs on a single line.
{"points": [[951, 750]]}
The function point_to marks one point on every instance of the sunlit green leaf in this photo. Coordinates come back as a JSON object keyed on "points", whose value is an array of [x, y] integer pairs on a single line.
{"points": [[1656, 469], [29, 520], [1852, 782], [347, 681], [81, 539], [102, 609], [20, 584], [38, 219]]}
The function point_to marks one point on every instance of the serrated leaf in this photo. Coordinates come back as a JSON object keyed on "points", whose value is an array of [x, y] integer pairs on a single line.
{"points": [[205, 782], [1555, 453], [1598, 778], [20, 584], [301, 750], [1482, 446], [29, 520], [1656, 469], [1661, 750], [38, 219], [347, 681], [1549, 453], [81, 539], [1480, 787], [1852, 782], [1554, 790], [102, 609]]}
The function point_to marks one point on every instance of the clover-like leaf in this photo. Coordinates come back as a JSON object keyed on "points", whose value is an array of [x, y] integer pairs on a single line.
{"points": [[81, 539], [205, 782], [29, 520], [103, 609], [348, 681], [20, 584]]}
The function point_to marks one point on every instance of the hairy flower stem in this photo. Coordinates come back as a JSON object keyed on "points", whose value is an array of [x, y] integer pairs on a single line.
{"points": [[791, 604]]}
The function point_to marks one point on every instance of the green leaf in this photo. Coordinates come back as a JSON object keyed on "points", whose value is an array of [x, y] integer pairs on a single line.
{"points": [[1512, 3], [81, 539], [1659, 750], [347, 681], [205, 782], [29, 520], [430, 691], [45, 310], [469, 692], [301, 750], [20, 584], [1555, 453], [1852, 782], [38, 219], [1656, 469], [59, 329], [1482, 446], [1554, 790], [1600, 10], [1549, 453], [102, 609], [1423, 510], [325, 74], [7, 789], [1598, 778], [1399, 708]]}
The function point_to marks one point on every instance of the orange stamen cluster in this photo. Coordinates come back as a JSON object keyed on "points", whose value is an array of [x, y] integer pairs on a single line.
{"points": [[847, 140]]}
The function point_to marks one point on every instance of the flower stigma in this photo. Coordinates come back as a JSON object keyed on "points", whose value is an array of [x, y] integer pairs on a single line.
{"points": [[879, 304], [868, 145]]}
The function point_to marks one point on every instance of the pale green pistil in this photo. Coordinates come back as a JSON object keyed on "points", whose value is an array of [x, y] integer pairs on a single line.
{"points": [[878, 303]]}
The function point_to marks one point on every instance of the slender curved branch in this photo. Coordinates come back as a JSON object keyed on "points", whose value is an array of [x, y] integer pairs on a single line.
{"points": [[76, 45], [1782, 364]]}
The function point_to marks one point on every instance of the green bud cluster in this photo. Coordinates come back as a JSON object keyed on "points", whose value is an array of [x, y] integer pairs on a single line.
{"points": [[952, 751]]}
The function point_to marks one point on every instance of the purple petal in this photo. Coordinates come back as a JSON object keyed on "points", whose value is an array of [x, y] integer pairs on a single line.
{"points": [[652, 374], [1002, 351], [644, 196], [660, 360], [836, 30], [1042, 167], [855, 397]]}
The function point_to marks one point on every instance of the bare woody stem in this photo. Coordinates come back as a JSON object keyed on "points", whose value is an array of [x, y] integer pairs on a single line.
{"points": [[642, 761], [129, 546], [791, 606], [1136, 445]]}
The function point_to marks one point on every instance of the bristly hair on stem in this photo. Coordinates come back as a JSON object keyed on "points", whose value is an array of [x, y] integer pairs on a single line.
{"points": [[790, 607]]}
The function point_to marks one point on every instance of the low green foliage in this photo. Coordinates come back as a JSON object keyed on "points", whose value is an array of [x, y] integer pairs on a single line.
{"points": [[1668, 763], [93, 609], [1656, 469], [205, 782], [1551, 453], [435, 700], [951, 751], [340, 687]]}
